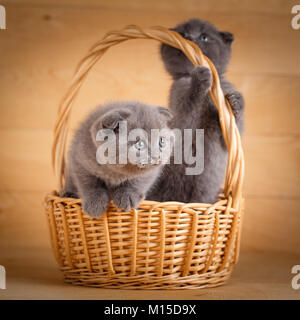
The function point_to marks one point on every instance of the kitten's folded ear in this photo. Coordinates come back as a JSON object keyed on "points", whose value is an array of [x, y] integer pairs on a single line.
{"points": [[165, 112], [228, 37], [109, 121], [112, 119]]}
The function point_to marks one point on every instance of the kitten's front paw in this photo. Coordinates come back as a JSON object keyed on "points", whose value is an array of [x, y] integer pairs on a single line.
{"points": [[202, 77], [67, 194], [94, 206], [127, 200], [236, 101]]}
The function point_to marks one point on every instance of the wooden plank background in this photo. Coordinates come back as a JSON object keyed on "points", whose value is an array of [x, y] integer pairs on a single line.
{"points": [[45, 39]]}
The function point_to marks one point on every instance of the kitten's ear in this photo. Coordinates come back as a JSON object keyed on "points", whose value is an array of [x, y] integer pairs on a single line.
{"points": [[165, 112], [109, 121], [227, 36], [112, 119]]}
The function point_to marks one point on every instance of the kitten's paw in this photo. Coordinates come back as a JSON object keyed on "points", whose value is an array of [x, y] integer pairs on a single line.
{"points": [[236, 101], [94, 206], [127, 200], [67, 194], [202, 77]]}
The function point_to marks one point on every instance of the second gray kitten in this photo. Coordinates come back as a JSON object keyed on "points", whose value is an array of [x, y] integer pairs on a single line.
{"points": [[125, 184], [193, 108]]}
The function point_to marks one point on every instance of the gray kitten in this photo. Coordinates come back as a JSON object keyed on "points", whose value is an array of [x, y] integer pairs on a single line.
{"points": [[193, 108], [96, 183]]}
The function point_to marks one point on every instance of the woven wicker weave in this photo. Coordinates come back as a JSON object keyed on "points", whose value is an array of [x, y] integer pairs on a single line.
{"points": [[168, 245]]}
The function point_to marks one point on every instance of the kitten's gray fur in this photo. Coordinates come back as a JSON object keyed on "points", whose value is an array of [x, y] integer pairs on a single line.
{"points": [[193, 108], [96, 184]]}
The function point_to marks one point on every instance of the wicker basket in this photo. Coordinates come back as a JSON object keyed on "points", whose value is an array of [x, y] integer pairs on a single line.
{"points": [[168, 245]]}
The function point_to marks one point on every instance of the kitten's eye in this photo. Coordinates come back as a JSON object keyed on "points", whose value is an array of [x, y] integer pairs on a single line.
{"points": [[162, 142], [204, 37], [140, 145]]}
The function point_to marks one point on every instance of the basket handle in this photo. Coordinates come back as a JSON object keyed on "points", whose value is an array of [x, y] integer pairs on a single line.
{"points": [[235, 166]]}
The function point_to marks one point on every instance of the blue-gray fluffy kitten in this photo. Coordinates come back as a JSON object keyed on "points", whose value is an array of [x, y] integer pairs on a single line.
{"points": [[193, 108], [126, 184]]}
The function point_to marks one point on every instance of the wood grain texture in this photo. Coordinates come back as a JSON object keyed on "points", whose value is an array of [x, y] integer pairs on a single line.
{"points": [[22, 219], [272, 166], [272, 103], [257, 6], [271, 223], [26, 156], [45, 40]]}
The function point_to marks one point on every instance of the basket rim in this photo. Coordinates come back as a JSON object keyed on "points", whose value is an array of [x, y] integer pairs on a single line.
{"points": [[149, 205]]}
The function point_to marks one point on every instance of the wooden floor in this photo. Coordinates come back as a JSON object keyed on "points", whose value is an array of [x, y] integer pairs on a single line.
{"points": [[44, 41]]}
